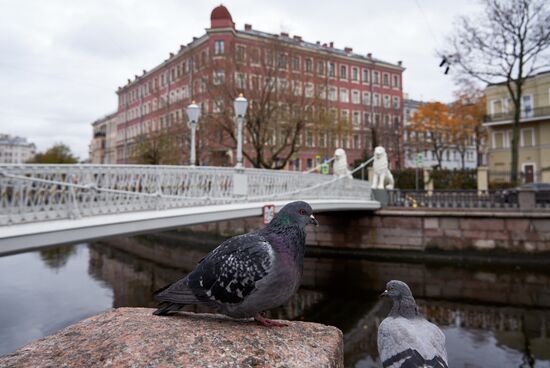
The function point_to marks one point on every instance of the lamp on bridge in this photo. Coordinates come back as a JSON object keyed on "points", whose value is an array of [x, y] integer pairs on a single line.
{"points": [[193, 114], [240, 104]]}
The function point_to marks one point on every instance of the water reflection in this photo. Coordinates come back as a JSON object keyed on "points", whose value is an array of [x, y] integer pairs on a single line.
{"points": [[492, 317], [57, 257]]}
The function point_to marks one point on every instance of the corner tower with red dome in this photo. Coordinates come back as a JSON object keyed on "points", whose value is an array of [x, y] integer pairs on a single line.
{"points": [[362, 92], [221, 18]]}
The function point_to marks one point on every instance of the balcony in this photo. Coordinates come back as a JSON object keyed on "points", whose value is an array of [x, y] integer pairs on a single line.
{"points": [[537, 112]]}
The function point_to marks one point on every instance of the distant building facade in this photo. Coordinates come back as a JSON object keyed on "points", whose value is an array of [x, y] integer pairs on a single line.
{"points": [[534, 134], [451, 157], [360, 90], [103, 145], [15, 150]]}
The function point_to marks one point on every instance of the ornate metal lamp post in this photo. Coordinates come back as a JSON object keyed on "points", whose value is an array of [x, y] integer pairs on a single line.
{"points": [[193, 114], [240, 104]]}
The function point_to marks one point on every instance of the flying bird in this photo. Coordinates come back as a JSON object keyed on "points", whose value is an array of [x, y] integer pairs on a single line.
{"points": [[405, 338], [247, 274]]}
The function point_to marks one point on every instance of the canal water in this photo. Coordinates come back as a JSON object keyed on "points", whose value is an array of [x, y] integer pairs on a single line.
{"points": [[491, 316]]}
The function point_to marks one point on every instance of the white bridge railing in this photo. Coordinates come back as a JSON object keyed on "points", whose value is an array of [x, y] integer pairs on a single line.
{"points": [[33, 193]]}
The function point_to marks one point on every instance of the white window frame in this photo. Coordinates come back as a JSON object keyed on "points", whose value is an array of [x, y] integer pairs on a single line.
{"points": [[523, 131], [365, 71], [219, 47], [355, 96], [366, 98], [344, 95]]}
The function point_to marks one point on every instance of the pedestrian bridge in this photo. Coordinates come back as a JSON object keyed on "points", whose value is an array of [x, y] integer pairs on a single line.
{"points": [[42, 205]]}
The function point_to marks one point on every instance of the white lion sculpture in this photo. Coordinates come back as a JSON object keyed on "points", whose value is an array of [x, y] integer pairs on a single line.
{"points": [[382, 174], [340, 166]]}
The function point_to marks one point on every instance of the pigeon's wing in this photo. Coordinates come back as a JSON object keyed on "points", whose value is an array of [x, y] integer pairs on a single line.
{"points": [[410, 343], [230, 272]]}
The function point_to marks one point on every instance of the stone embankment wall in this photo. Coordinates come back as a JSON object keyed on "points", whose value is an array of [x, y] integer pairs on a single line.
{"points": [[522, 232], [133, 337]]}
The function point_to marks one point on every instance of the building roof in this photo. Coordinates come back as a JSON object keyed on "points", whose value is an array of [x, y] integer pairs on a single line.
{"points": [[6, 139], [105, 118], [220, 17]]}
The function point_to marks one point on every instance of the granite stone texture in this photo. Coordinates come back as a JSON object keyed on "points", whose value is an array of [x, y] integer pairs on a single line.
{"points": [[133, 337]]}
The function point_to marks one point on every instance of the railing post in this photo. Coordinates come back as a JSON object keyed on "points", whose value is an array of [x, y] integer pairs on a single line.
{"points": [[428, 181], [72, 202], [240, 183], [482, 180], [526, 200]]}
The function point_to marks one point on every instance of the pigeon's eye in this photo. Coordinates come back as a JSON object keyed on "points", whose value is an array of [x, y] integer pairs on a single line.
{"points": [[302, 211]]}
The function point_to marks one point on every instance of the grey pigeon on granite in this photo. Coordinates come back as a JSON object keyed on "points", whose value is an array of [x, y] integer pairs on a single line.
{"points": [[250, 273], [405, 338]]}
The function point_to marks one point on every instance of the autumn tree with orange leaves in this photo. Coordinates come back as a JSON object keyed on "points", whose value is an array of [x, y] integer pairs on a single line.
{"points": [[430, 129]]}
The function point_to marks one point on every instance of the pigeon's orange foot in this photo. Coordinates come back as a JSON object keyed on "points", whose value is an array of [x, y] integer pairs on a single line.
{"points": [[261, 320]]}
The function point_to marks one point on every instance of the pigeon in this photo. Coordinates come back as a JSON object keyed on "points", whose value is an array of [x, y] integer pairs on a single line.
{"points": [[405, 338], [247, 274]]}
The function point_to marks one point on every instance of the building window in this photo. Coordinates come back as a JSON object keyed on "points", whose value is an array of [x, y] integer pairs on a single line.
{"points": [[355, 97], [309, 139], [240, 53], [321, 67], [366, 116], [309, 90], [527, 138], [240, 81], [375, 77], [331, 70], [386, 80], [332, 94], [282, 61], [354, 74], [366, 98], [219, 77], [356, 119], [365, 76], [356, 142], [296, 63], [376, 99], [498, 140], [386, 101], [218, 105], [343, 72], [309, 66], [219, 46], [395, 81], [395, 102], [297, 88], [344, 115], [344, 95], [255, 56], [269, 58]]}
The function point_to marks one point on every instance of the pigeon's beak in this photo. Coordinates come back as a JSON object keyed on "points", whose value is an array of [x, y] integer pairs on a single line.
{"points": [[313, 220], [385, 293]]}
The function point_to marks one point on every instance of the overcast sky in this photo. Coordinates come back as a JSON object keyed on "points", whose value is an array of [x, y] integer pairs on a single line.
{"points": [[62, 60]]}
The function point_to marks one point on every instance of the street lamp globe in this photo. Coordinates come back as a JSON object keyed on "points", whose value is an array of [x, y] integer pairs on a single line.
{"points": [[240, 104], [193, 114]]}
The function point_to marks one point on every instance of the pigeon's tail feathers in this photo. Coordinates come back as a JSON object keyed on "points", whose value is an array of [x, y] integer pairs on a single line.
{"points": [[177, 293], [166, 307]]}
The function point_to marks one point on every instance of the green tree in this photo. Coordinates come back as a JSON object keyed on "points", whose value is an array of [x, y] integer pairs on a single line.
{"points": [[58, 154]]}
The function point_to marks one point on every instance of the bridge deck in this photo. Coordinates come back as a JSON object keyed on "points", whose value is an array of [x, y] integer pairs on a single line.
{"points": [[28, 236]]}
